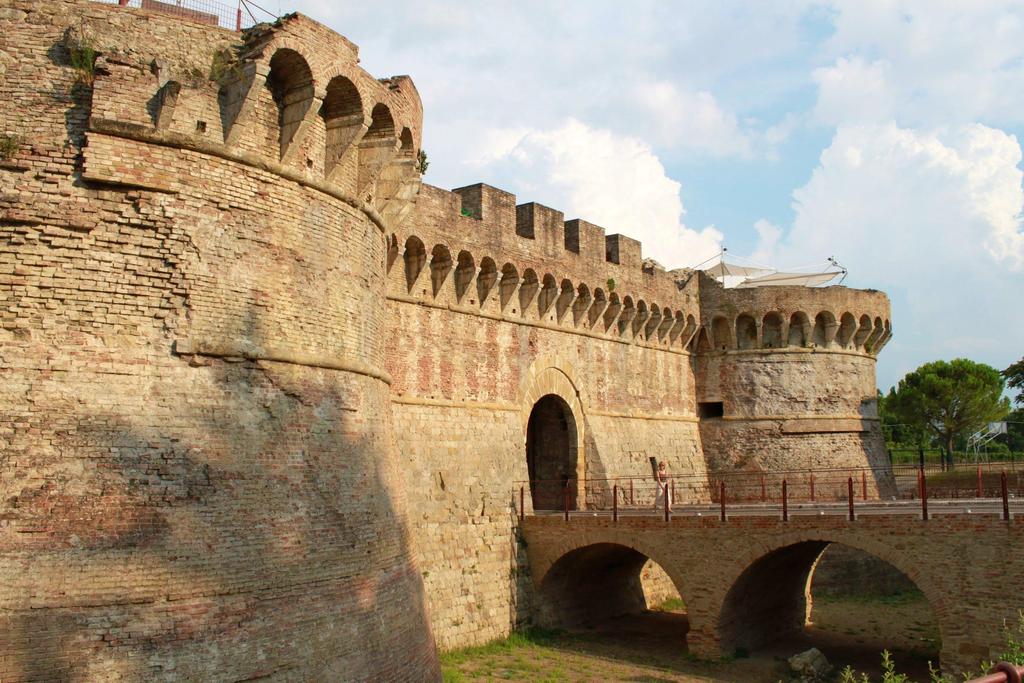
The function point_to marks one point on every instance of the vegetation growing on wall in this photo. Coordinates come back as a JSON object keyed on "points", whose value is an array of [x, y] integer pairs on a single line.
{"points": [[224, 66], [82, 55], [10, 145]]}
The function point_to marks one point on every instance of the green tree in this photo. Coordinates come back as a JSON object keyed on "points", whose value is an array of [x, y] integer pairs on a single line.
{"points": [[897, 433], [1015, 430], [1015, 380], [950, 399]]}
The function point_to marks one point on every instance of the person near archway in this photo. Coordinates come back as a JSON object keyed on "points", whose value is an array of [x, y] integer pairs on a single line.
{"points": [[661, 480]]}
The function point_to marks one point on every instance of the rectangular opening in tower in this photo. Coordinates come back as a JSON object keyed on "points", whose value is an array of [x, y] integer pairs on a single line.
{"points": [[708, 409]]}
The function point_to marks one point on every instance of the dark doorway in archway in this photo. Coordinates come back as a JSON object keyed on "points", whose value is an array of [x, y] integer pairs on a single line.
{"points": [[551, 454]]}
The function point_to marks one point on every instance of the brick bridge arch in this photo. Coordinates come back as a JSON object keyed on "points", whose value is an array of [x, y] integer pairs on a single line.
{"points": [[565, 597], [769, 597], [743, 579]]}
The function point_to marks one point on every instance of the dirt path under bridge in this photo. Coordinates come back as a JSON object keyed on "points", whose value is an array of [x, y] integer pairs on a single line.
{"points": [[651, 647]]}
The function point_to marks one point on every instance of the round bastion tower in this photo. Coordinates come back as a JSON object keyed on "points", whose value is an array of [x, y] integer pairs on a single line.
{"points": [[786, 377], [199, 477]]}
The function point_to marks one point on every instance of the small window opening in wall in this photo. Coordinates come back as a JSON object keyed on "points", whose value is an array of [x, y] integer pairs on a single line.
{"points": [[309, 163], [710, 409], [201, 127]]}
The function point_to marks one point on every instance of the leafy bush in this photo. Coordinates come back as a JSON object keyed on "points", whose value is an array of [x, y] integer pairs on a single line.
{"points": [[1014, 654], [82, 55], [889, 674]]}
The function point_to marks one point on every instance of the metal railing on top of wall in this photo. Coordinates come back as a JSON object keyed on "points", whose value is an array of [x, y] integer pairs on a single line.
{"points": [[235, 16]]}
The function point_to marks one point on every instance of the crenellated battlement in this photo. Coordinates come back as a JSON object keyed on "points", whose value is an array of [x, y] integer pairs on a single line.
{"points": [[476, 250], [553, 266], [551, 234], [765, 318], [287, 97]]}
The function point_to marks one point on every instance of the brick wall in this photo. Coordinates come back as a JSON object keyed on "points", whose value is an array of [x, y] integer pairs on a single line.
{"points": [[199, 476]]}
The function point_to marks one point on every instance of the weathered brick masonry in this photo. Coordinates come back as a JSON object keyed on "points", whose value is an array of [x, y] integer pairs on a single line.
{"points": [[199, 476], [496, 305], [266, 397], [745, 581]]}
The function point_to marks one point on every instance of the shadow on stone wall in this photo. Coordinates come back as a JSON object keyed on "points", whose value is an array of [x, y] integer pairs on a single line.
{"points": [[234, 517]]}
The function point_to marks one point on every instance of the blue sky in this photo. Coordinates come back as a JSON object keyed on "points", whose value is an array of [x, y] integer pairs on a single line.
{"points": [[886, 133]]}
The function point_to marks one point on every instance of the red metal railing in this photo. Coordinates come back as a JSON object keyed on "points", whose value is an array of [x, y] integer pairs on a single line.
{"points": [[235, 16], [849, 487], [1003, 672]]}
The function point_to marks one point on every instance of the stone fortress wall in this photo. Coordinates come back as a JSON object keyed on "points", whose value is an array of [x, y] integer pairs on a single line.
{"points": [[269, 397], [198, 472], [495, 305]]}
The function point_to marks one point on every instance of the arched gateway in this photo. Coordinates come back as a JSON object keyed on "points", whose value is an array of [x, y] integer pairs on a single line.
{"points": [[551, 453]]}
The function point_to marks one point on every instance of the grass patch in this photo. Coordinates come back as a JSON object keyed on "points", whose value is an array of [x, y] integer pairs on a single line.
{"points": [[224, 67], [895, 600], [82, 56], [670, 605], [518, 640]]}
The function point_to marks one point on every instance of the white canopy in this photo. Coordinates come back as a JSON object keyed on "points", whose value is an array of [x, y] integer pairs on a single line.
{"points": [[723, 269], [780, 278], [755, 275]]}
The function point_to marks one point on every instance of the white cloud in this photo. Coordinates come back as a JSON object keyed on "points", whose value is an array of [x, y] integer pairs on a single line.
{"points": [[768, 236], [924, 62], [692, 120], [932, 218], [680, 75], [614, 181], [852, 90]]}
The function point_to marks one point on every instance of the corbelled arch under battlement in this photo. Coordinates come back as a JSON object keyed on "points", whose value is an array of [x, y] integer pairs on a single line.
{"points": [[485, 220], [823, 319], [434, 275], [784, 329], [744, 582], [546, 278]]}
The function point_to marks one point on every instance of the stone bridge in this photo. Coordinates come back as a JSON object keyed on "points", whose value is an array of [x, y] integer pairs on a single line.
{"points": [[745, 582]]}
